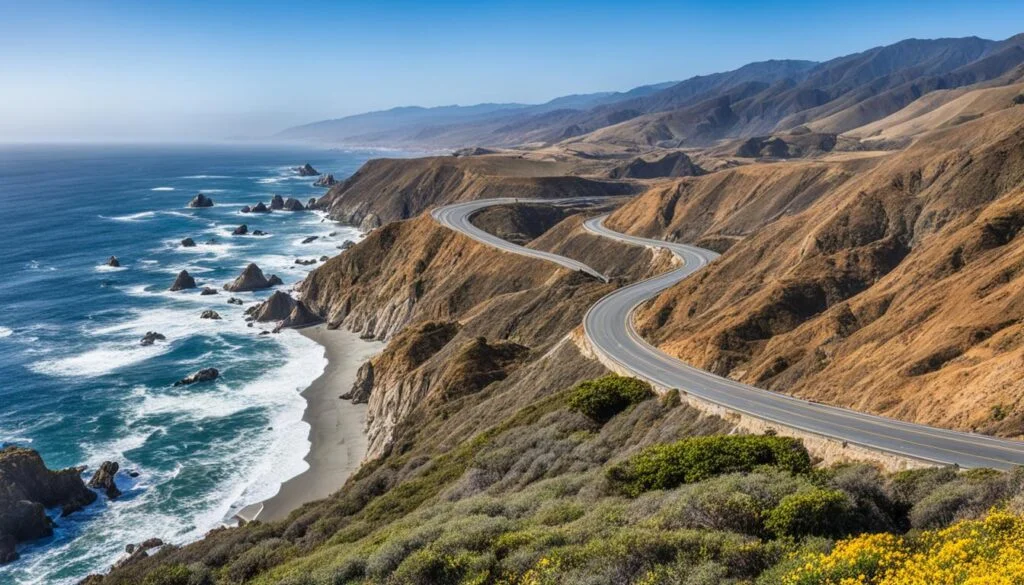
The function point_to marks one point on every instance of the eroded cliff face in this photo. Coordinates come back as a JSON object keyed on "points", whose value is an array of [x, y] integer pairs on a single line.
{"points": [[891, 288]]}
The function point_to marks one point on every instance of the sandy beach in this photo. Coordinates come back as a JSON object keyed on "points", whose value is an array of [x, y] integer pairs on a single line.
{"points": [[336, 426]]}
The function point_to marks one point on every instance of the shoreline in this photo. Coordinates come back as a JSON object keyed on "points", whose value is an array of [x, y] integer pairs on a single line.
{"points": [[337, 428]]}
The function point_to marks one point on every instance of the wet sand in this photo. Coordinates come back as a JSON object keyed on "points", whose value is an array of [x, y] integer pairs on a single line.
{"points": [[336, 427]]}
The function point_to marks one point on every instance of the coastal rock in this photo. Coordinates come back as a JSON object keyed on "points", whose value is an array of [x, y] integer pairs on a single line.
{"points": [[27, 488], [259, 233], [260, 208], [211, 241], [152, 337], [251, 278], [370, 222], [113, 261], [200, 200], [188, 243], [274, 280], [363, 385], [209, 314], [204, 375], [183, 281], [245, 209], [325, 258], [208, 291], [307, 170], [103, 479], [310, 239], [137, 552], [325, 181], [234, 301], [277, 202], [302, 262], [301, 316], [240, 230], [311, 204], [277, 307], [347, 244], [293, 204]]}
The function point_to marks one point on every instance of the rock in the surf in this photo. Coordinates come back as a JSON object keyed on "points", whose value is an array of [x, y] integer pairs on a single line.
{"points": [[235, 301], [200, 200], [293, 204], [307, 170], [245, 209], [277, 202], [183, 281], [152, 337], [311, 204], [259, 233], [274, 280], [208, 291], [251, 278], [188, 243], [277, 307], [301, 316], [209, 314], [113, 262], [325, 181], [310, 239], [103, 479], [204, 375], [302, 262], [240, 230], [260, 208]]}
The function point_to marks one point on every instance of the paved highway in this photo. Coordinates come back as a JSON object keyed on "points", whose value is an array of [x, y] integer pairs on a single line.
{"points": [[609, 328]]}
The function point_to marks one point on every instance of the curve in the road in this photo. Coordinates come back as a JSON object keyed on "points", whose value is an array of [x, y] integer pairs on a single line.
{"points": [[609, 329]]}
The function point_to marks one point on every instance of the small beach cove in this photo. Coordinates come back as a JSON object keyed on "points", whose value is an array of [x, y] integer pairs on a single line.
{"points": [[81, 387]]}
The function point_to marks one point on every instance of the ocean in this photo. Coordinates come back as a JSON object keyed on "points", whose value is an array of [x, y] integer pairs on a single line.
{"points": [[79, 388]]}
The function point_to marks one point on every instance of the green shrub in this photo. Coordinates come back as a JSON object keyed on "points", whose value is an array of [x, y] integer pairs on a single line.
{"points": [[168, 575], [603, 398], [816, 512], [690, 460]]}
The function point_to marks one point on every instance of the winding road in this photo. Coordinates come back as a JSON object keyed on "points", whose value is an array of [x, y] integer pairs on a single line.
{"points": [[609, 329]]}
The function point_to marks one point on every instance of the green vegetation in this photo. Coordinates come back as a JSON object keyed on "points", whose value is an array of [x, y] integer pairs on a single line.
{"points": [[656, 495], [603, 398], [690, 460]]}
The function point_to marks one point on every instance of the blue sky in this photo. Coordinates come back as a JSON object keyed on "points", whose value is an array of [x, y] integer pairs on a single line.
{"points": [[199, 70]]}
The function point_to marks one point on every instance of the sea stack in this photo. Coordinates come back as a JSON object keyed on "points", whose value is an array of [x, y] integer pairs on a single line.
{"points": [[277, 307], [188, 243], [183, 281], [240, 230], [103, 479], [200, 200], [307, 170], [251, 278], [259, 208], [293, 204], [113, 262], [301, 316], [204, 375], [277, 202], [325, 181]]}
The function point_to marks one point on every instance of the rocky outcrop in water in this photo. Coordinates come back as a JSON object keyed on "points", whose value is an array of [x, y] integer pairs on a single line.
{"points": [[259, 233], [310, 239], [103, 479], [209, 314], [277, 202], [188, 243], [27, 489], [293, 204], [307, 170], [234, 301], [208, 291], [113, 262], [252, 278], [311, 204], [152, 337], [325, 181], [260, 208], [200, 200], [277, 307], [204, 375], [245, 209], [240, 230], [302, 262], [183, 281]]}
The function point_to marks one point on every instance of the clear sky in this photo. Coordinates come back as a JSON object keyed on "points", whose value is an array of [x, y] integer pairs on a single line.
{"points": [[148, 69]]}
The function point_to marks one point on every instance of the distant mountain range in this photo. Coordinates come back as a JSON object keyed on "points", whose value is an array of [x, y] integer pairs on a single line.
{"points": [[757, 99]]}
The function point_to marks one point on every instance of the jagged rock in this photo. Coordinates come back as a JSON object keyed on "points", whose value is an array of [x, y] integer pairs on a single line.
{"points": [[251, 278], [113, 261], [301, 316], [208, 291], [307, 170], [183, 281], [245, 209], [137, 552], [152, 337], [347, 244], [277, 307], [188, 243], [200, 200], [363, 385], [103, 479], [311, 204], [209, 314], [302, 262], [277, 202], [259, 233], [293, 204], [27, 488], [274, 280], [235, 301], [325, 181], [240, 230], [204, 375], [310, 239], [325, 258], [260, 208]]}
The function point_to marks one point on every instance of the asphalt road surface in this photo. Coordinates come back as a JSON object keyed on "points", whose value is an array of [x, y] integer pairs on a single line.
{"points": [[609, 328]]}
